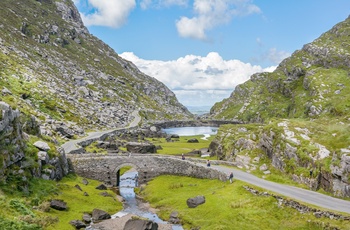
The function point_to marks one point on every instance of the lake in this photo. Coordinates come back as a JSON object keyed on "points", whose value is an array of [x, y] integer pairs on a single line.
{"points": [[192, 131]]}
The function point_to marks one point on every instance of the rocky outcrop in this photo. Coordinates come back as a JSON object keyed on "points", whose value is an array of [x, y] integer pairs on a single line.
{"points": [[136, 147], [18, 160], [289, 149], [310, 83]]}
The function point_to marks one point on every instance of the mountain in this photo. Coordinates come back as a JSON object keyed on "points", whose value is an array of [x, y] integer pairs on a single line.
{"points": [[51, 67], [297, 117], [312, 83]]}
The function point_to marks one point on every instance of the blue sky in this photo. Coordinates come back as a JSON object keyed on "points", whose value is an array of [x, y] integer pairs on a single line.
{"points": [[202, 49]]}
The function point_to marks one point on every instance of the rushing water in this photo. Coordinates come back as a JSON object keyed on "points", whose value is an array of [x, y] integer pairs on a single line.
{"points": [[192, 131], [131, 204]]}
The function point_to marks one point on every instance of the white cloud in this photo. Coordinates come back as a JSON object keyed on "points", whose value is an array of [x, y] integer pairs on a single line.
{"points": [[211, 13], [111, 13], [276, 56], [145, 4], [198, 79]]}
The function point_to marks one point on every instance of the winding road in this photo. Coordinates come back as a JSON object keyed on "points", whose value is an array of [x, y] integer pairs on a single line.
{"points": [[74, 147], [299, 194], [303, 195]]}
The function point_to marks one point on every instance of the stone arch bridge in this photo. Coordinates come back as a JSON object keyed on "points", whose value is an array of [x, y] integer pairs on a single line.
{"points": [[106, 168]]}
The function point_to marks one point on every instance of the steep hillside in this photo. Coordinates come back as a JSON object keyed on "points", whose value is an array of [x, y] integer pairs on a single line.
{"points": [[303, 115], [313, 82], [53, 68]]}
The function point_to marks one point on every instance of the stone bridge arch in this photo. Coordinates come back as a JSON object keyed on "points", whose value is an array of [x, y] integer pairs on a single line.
{"points": [[116, 171], [103, 167]]}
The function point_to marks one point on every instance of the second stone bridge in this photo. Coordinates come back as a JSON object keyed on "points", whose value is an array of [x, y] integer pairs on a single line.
{"points": [[106, 168]]}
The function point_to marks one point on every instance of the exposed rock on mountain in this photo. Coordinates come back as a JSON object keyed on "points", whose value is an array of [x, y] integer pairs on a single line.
{"points": [[21, 160], [56, 81], [303, 113], [313, 82], [53, 68]]}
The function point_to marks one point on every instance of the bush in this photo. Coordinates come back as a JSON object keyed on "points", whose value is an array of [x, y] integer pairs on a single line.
{"points": [[21, 208]]}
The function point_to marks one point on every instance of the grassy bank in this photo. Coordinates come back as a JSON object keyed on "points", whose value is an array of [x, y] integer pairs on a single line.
{"points": [[30, 210], [227, 206]]}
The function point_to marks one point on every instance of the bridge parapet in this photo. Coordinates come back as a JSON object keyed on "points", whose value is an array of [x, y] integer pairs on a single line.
{"points": [[105, 167]]}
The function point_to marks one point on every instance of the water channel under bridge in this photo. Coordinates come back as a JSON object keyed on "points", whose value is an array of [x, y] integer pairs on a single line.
{"points": [[106, 168]]}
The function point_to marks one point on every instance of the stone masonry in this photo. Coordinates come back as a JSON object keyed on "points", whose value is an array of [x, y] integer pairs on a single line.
{"points": [[105, 167]]}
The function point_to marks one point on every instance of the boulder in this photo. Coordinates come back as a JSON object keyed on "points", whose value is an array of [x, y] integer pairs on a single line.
{"points": [[65, 131], [78, 224], [87, 218], [44, 157], [98, 215], [263, 167], [174, 136], [195, 201], [133, 224], [42, 145], [78, 187], [101, 187], [58, 205], [193, 140], [174, 218], [85, 181], [136, 147]]}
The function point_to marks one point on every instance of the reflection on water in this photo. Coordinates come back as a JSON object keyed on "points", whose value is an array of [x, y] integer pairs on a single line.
{"points": [[131, 204]]}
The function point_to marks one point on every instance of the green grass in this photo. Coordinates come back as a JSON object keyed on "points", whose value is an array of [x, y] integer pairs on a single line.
{"points": [[92, 148], [17, 210], [180, 145], [227, 206], [78, 204]]}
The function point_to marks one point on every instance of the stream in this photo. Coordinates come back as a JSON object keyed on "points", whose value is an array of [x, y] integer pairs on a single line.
{"points": [[133, 205]]}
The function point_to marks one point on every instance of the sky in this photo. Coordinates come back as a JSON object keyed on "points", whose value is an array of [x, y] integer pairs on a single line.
{"points": [[202, 49]]}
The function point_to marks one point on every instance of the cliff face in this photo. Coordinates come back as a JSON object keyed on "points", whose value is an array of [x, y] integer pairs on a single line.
{"points": [[53, 68], [303, 111]]}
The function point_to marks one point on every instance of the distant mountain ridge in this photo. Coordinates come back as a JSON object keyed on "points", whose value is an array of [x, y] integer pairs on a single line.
{"points": [[53, 68]]}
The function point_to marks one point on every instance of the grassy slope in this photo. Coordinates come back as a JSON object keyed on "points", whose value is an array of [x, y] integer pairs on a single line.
{"points": [[33, 64], [227, 206]]}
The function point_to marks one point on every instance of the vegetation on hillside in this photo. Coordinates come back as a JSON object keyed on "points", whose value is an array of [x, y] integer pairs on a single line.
{"points": [[312, 83]]}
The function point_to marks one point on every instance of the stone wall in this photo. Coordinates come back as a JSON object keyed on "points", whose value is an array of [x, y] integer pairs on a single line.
{"points": [[105, 167]]}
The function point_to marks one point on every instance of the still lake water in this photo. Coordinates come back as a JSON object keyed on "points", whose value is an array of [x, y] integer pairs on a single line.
{"points": [[192, 131]]}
